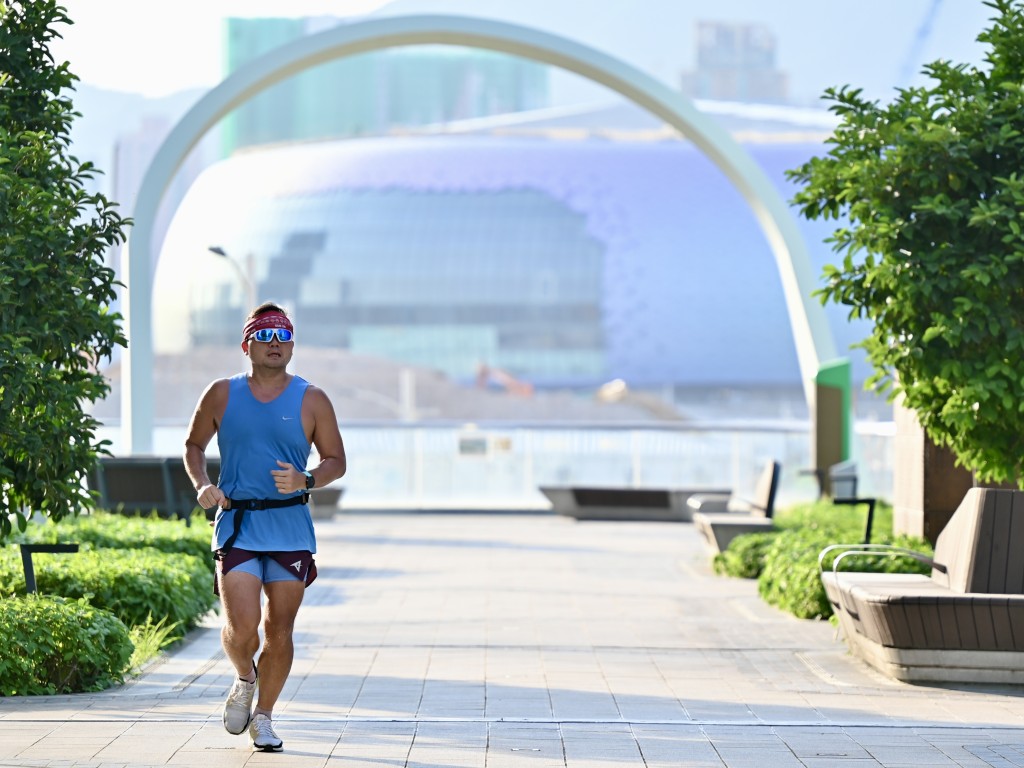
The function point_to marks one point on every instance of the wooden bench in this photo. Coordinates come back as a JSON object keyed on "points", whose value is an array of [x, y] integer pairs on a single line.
{"points": [[141, 485], [644, 504], [962, 623], [721, 518], [184, 493]]}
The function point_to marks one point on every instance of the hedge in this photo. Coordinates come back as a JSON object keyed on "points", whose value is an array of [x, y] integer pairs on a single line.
{"points": [[133, 584], [56, 645], [113, 531]]}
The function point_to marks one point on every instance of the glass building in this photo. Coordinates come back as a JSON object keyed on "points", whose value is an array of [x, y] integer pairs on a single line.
{"points": [[371, 93], [566, 263]]}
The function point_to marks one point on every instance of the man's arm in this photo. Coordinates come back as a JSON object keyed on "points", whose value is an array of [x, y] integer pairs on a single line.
{"points": [[201, 429], [327, 439], [321, 427]]}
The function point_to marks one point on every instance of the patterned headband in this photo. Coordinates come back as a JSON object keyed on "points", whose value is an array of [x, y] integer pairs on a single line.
{"points": [[266, 320]]}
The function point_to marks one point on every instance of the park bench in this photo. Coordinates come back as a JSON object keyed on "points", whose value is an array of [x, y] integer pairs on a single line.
{"points": [[142, 485], [135, 485], [646, 504], [720, 518], [184, 493], [964, 622]]}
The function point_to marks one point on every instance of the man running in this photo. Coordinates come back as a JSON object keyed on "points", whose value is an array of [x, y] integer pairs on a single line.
{"points": [[265, 422]]}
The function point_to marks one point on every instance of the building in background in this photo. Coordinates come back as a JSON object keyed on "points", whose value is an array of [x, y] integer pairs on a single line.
{"points": [[565, 257], [736, 62], [372, 93]]}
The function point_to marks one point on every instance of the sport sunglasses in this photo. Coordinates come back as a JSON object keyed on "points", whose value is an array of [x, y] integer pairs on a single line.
{"points": [[267, 334]]}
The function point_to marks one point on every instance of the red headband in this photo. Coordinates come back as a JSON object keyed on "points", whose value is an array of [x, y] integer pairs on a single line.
{"points": [[266, 320]]}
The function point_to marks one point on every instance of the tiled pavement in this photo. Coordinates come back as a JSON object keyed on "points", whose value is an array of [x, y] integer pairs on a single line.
{"points": [[529, 640]]}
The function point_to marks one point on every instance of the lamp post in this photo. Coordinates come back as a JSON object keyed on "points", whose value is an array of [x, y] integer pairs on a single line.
{"points": [[245, 275]]}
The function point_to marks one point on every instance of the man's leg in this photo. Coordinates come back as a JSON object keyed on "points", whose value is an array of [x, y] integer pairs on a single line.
{"points": [[283, 601], [240, 596]]}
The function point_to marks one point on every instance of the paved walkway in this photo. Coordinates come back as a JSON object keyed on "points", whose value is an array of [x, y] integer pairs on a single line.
{"points": [[529, 640]]}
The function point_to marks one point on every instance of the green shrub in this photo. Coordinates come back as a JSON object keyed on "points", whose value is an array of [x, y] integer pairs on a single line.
{"points": [[109, 530], [790, 578], [54, 645], [133, 584], [744, 557], [785, 561], [845, 522]]}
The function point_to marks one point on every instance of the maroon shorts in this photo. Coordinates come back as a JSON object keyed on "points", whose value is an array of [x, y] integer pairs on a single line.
{"points": [[298, 564]]}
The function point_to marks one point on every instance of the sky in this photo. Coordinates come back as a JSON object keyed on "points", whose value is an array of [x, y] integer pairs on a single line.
{"points": [[159, 49]]}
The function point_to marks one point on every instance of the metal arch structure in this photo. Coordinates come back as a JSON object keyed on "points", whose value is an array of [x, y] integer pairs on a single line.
{"points": [[814, 343]]}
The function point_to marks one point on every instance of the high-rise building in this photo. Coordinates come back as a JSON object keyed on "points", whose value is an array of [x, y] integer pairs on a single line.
{"points": [[735, 62], [372, 93]]}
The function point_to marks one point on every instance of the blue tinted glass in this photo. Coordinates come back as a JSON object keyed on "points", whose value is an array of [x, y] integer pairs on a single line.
{"points": [[266, 334]]}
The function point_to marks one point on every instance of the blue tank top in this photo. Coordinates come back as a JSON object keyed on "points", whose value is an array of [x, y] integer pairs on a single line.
{"points": [[253, 437]]}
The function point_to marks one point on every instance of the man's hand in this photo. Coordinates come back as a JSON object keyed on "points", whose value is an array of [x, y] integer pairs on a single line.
{"points": [[288, 479], [210, 496]]}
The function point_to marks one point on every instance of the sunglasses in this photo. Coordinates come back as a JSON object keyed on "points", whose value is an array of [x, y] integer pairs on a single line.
{"points": [[267, 334]]}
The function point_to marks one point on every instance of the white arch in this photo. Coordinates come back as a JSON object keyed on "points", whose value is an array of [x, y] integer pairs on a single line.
{"points": [[813, 338]]}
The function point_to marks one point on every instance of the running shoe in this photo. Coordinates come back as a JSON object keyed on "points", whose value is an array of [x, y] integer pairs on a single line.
{"points": [[238, 705], [263, 736]]}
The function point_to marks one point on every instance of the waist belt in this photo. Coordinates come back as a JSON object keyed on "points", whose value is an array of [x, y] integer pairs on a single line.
{"points": [[246, 504], [241, 506]]}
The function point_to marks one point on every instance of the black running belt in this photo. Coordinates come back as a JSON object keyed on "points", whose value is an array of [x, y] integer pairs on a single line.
{"points": [[241, 506]]}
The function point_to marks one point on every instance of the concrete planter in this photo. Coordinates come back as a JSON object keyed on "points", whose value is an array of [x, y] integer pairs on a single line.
{"points": [[927, 484]]}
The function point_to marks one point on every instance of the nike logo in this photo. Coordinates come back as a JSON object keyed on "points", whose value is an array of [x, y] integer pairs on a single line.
{"points": [[297, 565], [287, 418]]}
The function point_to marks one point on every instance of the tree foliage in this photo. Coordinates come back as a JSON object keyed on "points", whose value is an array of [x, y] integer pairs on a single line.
{"points": [[931, 187], [56, 324]]}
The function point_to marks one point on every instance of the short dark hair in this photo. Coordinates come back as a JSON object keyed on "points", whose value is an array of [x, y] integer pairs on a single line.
{"points": [[262, 309]]}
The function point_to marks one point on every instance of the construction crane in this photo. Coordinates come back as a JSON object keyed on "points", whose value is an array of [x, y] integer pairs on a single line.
{"points": [[911, 64]]}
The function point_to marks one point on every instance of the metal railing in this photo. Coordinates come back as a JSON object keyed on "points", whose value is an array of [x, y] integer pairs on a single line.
{"points": [[501, 465]]}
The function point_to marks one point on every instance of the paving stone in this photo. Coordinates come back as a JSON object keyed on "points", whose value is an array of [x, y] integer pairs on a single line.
{"points": [[495, 640]]}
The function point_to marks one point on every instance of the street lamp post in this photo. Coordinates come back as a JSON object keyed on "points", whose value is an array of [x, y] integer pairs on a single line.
{"points": [[245, 275]]}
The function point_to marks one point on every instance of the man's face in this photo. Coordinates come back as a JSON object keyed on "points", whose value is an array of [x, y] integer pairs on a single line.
{"points": [[271, 354]]}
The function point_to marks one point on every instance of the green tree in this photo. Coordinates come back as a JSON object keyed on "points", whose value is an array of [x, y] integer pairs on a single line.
{"points": [[931, 187], [56, 325]]}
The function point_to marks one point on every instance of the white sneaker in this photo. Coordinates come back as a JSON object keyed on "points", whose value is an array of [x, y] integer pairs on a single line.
{"points": [[263, 736], [238, 706]]}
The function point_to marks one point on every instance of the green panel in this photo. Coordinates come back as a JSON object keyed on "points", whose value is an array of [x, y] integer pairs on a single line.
{"points": [[836, 374]]}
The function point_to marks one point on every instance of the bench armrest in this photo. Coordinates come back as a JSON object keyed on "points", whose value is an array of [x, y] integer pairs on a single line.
{"points": [[709, 502], [876, 550], [882, 550]]}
